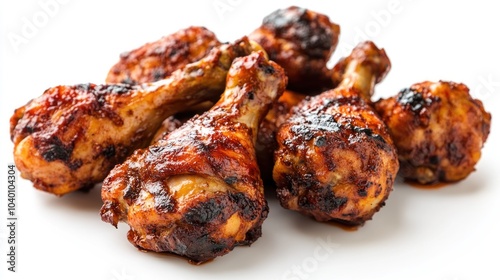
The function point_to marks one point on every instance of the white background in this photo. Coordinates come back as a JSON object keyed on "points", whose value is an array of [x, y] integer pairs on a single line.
{"points": [[450, 233]]}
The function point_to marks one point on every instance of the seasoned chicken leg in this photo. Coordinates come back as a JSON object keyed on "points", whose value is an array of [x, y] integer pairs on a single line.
{"points": [[298, 39], [175, 121], [197, 192], [70, 137], [266, 138], [301, 41], [335, 160], [157, 60], [438, 128]]}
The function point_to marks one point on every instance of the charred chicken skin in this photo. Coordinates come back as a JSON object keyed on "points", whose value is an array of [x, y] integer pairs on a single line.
{"points": [[438, 128], [266, 138], [175, 121], [72, 136], [335, 159], [301, 41], [197, 192], [157, 60]]}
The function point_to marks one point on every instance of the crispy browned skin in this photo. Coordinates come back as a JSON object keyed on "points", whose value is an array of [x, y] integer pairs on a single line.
{"points": [[197, 192], [335, 159], [157, 60], [175, 121], [266, 138], [70, 137], [301, 41], [438, 128]]}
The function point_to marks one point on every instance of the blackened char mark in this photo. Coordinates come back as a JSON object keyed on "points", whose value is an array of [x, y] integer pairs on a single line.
{"points": [[204, 212], [163, 201], [298, 25], [414, 100], [246, 206], [54, 149]]}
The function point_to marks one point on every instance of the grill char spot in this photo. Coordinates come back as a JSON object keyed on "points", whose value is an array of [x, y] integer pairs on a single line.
{"points": [[413, 100]]}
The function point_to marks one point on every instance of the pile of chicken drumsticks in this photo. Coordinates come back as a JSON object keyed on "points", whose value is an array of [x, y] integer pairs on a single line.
{"points": [[187, 131]]}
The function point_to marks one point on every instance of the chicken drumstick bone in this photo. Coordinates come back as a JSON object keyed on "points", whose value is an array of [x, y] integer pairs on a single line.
{"points": [[72, 136], [197, 192], [335, 160]]}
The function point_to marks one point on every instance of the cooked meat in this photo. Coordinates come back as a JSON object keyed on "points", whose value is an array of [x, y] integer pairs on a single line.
{"points": [[301, 41], [298, 39], [175, 121], [157, 60], [266, 140], [335, 159], [70, 137], [438, 128], [197, 192]]}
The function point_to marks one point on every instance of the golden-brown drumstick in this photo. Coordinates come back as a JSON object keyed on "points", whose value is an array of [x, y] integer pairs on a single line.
{"points": [[438, 128], [197, 191], [175, 121], [335, 160], [157, 60], [70, 137], [301, 41], [266, 138], [298, 39]]}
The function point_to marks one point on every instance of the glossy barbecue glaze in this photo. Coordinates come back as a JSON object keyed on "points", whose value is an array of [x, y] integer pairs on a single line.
{"points": [[266, 138], [197, 192], [301, 41], [438, 128], [157, 60], [335, 159], [70, 137]]}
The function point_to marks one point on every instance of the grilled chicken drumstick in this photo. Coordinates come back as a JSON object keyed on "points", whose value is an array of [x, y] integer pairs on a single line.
{"points": [[71, 137], [157, 60], [438, 128], [266, 140], [335, 160], [301, 41], [197, 192]]}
